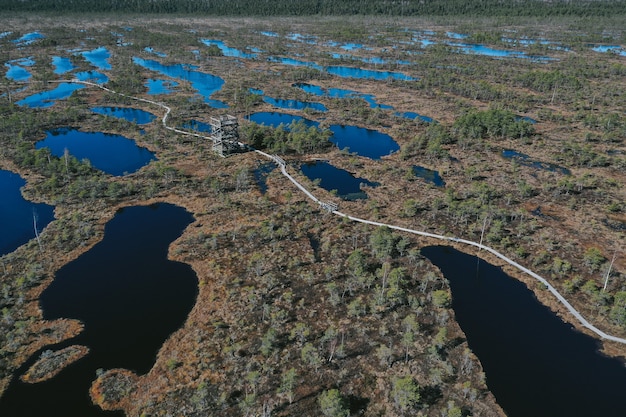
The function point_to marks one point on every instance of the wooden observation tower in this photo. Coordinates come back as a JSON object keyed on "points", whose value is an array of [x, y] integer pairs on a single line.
{"points": [[225, 135]]}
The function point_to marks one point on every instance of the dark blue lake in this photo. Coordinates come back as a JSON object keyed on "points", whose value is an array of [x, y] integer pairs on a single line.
{"points": [[364, 142], [17, 215], [526, 160], [330, 178], [127, 113], [205, 84], [535, 363], [275, 119], [48, 98], [113, 154], [428, 175], [130, 298]]}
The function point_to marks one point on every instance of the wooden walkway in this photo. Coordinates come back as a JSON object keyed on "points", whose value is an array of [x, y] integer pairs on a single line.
{"points": [[333, 208]]}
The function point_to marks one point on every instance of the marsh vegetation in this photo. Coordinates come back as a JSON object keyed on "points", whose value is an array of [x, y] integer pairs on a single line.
{"points": [[300, 312]]}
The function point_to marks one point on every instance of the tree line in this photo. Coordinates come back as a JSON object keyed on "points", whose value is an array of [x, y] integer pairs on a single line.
{"points": [[535, 8]]}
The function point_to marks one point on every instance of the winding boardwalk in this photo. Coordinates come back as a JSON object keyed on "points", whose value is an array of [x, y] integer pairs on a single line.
{"points": [[281, 163]]}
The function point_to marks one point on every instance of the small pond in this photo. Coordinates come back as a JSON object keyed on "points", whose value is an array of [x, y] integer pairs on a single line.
{"points": [[361, 73], [17, 215], [205, 84], [16, 70], [341, 93], [127, 113], [616, 49], [289, 104], [151, 50], [369, 98], [535, 363], [156, 86], [526, 160], [62, 65], [130, 298], [364, 142], [330, 178], [414, 116], [92, 76], [275, 119], [198, 126], [228, 51], [28, 38], [49, 98], [428, 175], [98, 58], [113, 154], [295, 62], [261, 173]]}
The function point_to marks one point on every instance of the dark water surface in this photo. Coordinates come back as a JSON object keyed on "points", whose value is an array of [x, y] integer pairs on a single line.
{"points": [[17, 225], [138, 116], [330, 178], [364, 142], [429, 175], [130, 298], [275, 119], [113, 154], [536, 364]]}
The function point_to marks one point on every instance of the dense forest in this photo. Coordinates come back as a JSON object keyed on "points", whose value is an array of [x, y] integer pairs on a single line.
{"points": [[330, 7]]}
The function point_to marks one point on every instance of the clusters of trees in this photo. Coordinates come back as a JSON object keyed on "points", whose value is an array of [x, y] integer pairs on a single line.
{"points": [[297, 137], [330, 7], [492, 123]]}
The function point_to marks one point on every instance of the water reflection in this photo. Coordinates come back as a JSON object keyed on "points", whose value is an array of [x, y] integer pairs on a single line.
{"points": [[288, 103], [113, 154], [275, 119], [334, 179], [364, 142], [428, 175], [130, 298], [127, 113], [535, 363], [18, 216], [49, 98]]}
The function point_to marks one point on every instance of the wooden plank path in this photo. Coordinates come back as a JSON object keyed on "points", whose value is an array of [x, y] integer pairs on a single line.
{"points": [[333, 208]]}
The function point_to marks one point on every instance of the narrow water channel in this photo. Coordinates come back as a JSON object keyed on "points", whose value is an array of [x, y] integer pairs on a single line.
{"points": [[536, 365], [130, 298]]}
